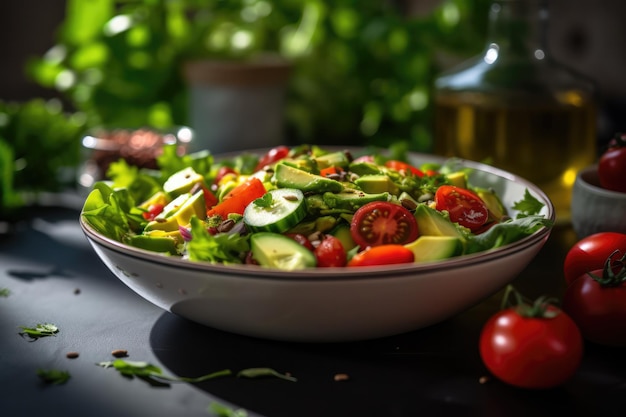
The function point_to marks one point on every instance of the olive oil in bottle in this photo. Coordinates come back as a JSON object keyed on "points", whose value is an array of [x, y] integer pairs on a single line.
{"points": [[516, 109]]}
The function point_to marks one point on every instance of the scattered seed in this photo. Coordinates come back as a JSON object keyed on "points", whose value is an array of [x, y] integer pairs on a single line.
{"points": [[341, 377], [71, 355], [408, 204], [290, 197], [483, 379], [120, 353], [226, 225]]}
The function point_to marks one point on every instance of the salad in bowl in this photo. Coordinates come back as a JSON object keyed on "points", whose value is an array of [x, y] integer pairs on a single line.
{"points": [[305, 207], [315, 245]]}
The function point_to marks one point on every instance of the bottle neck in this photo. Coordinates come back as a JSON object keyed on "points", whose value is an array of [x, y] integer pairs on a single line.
{"points": [[517, 28]]}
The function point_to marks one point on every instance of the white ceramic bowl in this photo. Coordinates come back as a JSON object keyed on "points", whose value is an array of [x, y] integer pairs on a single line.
{"points": [[329, 304], [595, 209]]}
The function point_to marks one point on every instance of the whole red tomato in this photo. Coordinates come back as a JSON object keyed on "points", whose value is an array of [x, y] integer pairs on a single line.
{"points": [[590, 253], [330, 252], [596, 301], [612, 165], [533, 346]]}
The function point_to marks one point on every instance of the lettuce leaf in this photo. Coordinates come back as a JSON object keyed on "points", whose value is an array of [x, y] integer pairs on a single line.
{"points": [[223, 248]]}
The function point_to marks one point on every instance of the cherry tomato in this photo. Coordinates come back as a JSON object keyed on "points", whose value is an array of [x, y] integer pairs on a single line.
{"points": [[612, 165], [597, 303], [153, 211], [403, 167], [382, 255], [536, 346], [272, 156], [301, 239], [330, 252], [380, 223], [463, 206], [590, 253]]}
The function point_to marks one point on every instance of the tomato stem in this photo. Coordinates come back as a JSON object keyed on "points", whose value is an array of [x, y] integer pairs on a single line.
{"points": [[527, 308], [620, 140], [609, 277]]}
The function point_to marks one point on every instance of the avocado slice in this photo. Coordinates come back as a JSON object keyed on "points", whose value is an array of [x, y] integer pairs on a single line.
{"points": [[157, 198], [337, 159], [365, 168], [287, 176], [179, 212], [182, 182], [497, 211], [377, 183], [342, 232], [435, 248], [157, 241], [430, 222], [352, 200], [458, 179]]}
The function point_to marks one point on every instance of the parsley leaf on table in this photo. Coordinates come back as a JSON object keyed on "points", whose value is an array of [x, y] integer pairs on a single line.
{"points": [[222, 410], [40, 330], [53, 376], [152, 373]]}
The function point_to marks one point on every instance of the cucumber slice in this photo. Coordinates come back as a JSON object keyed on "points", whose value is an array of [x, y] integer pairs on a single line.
{"points": [[278, 211], [274, 250]]}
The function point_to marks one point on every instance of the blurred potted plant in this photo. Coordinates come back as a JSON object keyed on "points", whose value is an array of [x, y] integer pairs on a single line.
{"points": [[360, 70], [38, 153]]}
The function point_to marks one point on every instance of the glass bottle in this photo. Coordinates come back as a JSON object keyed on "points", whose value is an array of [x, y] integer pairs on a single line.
{"points": [[516, 108]]}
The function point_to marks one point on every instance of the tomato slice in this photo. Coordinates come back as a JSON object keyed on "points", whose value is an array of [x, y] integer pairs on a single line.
{"points": [[380, 223], [153, 211], [239, 197], [272, 156], [403, 167], [463, 206], [383, 255]]}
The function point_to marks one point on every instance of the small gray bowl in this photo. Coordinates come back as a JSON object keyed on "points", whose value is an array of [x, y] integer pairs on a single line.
{"points": [[595, 209]]}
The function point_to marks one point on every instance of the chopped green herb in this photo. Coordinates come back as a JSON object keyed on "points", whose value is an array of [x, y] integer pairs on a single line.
{"points": [[222, 410], [528, 206], [53, 376], [152, 373], [40, 330], [262, 372], [266, 201], [4, 292]]}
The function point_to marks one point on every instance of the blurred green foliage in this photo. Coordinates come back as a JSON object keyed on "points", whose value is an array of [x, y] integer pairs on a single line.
{"points": [[362, 68], [362, 72], [38, 149]]}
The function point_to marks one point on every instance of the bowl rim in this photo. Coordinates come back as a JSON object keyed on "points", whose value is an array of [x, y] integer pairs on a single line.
{"points": [[343, 273], [591, 172]]}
